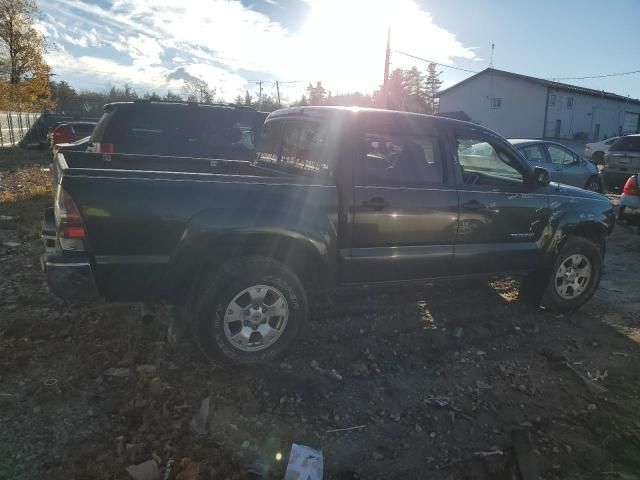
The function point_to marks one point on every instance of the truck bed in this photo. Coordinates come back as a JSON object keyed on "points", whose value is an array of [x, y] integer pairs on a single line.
{"points": [[142, 165], [143, 214]]}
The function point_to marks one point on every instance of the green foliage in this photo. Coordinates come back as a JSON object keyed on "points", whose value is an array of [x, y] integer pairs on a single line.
{"points": [[317, 94]]}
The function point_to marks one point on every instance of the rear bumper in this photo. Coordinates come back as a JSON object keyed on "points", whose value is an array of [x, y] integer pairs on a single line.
{"points": [[69, 277], [629, 210], [615, 179]]}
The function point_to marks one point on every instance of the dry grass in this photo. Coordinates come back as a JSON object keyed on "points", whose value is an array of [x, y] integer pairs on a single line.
{"points": [[24, 184]]}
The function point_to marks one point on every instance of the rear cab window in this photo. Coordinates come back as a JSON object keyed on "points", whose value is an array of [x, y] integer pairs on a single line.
{"points": [[298, 146]]}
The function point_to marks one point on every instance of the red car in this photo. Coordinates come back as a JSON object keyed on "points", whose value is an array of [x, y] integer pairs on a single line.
{"points": [[70, 132]]}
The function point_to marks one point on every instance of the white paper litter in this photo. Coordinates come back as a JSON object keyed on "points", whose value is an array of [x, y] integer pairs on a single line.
{"points": [[305, 463]]}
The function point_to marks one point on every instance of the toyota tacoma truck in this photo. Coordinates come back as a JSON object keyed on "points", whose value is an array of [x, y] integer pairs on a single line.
{"points": [[336, 197]]}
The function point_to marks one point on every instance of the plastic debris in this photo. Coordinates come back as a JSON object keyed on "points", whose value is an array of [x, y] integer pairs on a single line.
{"points": [[199, 421], [305, 463], [144, 471], [591, 385]]}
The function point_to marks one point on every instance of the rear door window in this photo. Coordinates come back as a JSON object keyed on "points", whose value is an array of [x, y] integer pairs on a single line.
{"points": [[533, 153]]}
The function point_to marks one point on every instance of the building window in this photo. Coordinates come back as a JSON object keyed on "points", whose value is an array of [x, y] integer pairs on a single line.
{"points": [[569, 102], [552, 100], [496, 102]]}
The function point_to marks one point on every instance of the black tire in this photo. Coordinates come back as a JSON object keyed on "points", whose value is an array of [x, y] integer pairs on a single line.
{"points": [[594, 185], [598, 158], [575, 245], [216, 293]]}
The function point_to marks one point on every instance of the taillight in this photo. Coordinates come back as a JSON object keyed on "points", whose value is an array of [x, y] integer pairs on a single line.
{"points": [[105, 148], [71, 232], [631, 187]]}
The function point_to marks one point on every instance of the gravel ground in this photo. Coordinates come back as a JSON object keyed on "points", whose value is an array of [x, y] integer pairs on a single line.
{"points": [[446, 381]]}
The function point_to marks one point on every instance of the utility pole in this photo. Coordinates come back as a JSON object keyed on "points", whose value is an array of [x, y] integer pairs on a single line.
{"points": [[493, 46], [278, 91], [386, 68], [259, 82]]}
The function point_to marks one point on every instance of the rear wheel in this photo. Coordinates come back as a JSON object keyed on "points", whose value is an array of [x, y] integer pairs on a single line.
{"points": [[594, 185], [250, 312], [574, 277]]}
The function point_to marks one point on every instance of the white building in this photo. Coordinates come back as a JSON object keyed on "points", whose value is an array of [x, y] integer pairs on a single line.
{"points": [[518, 106]]}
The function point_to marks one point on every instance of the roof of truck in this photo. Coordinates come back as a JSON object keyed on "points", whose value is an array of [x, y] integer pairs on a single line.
{"points": [[318, 110]]}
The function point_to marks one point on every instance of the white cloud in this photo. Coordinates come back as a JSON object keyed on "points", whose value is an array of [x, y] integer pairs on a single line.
{"points": [[342, 42]]}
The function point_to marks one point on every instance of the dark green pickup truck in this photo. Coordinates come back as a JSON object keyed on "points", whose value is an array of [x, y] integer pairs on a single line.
{"points": [[336, 197]]}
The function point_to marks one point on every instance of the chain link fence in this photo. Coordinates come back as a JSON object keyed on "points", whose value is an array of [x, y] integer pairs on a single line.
{"points": [[16, 126], [30, 129]]}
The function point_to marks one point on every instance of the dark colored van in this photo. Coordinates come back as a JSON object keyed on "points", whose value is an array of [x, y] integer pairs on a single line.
{"points": [[177, 129]]}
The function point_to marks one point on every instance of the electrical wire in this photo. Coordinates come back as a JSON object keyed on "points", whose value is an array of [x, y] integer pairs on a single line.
{"points": [[439, 64], [598, 76]]}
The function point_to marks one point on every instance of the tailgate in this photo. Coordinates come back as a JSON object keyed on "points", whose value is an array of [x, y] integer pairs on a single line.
{"points": [[624, 161]]}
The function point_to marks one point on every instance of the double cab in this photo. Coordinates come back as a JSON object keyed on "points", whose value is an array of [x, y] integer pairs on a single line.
{"points": [[336, 197]]}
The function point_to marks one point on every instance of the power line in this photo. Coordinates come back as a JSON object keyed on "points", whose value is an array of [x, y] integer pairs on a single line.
{"points": [[586, 77], [598, 76], [431, 61]]}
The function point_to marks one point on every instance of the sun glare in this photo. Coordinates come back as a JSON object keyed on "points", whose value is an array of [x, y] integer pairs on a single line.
{"points": [[344, 42]]}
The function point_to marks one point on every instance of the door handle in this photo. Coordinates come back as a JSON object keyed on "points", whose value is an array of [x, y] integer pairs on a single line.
{"points": [[376, 203], [473, 205]]}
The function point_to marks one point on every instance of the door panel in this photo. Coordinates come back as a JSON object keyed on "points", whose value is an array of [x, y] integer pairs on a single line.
{"points": [[402, 233], [501, 222], [403, 217], [501, 232]]}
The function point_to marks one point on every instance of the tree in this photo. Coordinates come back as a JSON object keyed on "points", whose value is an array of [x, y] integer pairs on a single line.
{"points": [[239, 100], [415, 99], [268, 104], [22, 48], [248, 98], [22, 51], [153, 96], [172, 97], [303, 102], [432, 85], [317, 94], [197, 90]]}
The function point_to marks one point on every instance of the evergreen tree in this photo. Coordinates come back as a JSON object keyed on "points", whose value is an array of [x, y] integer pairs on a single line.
{"points": [[317, 94]]}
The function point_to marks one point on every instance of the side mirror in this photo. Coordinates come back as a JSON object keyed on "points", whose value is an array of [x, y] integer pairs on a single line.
{"points": [[541, 177]]}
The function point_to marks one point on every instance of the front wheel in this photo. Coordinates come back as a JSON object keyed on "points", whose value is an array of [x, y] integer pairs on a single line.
{"points": [[250, 311], [574, 277]]}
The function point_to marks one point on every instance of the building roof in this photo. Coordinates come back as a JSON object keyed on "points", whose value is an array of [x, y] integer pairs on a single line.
{"points": [[546, 83]]}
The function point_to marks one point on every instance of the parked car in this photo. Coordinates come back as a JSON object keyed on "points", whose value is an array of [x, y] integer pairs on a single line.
{"points": [[177, 128], [336, 197], [564, 165], [69, 132], [595, 151], [622, 160], [629, 204]]}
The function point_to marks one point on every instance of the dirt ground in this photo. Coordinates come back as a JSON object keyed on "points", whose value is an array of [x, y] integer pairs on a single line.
{"points": [[440, 381]]}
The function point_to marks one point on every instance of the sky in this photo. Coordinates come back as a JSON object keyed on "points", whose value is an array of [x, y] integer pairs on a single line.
{"points": [[154, 45]]}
